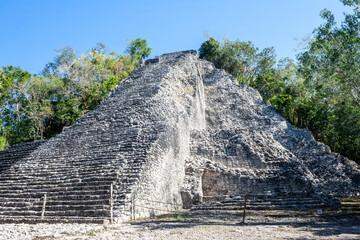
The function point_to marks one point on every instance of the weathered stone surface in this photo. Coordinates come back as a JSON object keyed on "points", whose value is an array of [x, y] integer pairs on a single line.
{"points": [[11, 156], [175, 133]]}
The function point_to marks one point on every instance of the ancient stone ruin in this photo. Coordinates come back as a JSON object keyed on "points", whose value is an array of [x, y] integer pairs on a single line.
{"points": [[177, 133]]}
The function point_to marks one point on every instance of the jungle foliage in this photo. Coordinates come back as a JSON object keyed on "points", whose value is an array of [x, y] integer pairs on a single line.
{"points": [[34, 107]]}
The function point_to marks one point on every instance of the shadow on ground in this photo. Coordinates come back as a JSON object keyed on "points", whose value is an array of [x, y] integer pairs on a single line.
{"points": [[330, 223]]}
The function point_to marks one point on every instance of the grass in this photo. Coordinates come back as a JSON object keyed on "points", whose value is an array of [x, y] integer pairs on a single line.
{"points": [[177, 218]]}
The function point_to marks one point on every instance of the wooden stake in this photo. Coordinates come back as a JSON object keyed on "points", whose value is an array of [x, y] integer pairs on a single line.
{"points": [[111, 205], [134, 209], [244, 214], [133, 217], [43, 207]]}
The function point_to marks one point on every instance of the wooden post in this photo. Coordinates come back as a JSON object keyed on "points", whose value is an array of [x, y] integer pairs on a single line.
{"points": [[244, 213], [133, 217], [132, 209], [43, 207], [111, 205]]}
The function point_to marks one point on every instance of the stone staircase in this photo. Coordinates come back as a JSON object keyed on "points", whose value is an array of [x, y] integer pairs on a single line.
{"points": [[263, 202], [350, 205], [11, 155], [77, 168], [76, 191], [79, 197]]}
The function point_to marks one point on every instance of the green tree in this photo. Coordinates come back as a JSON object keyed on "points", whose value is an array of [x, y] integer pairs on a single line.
{"points": [[241, 59], [37, 107], [352, 3], [138, 48], [16, 124], [330, 67], [80, 83], [209, 50], [3, 143]]}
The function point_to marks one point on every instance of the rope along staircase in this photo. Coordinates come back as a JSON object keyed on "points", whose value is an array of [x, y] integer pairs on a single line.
{"points": [[263, 202]]}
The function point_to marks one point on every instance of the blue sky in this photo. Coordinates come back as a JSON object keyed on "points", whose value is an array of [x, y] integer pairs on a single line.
{"points": [[31, 30]]}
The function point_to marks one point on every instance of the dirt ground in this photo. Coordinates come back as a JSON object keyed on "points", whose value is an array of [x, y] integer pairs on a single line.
{"points": [[202, 225]]}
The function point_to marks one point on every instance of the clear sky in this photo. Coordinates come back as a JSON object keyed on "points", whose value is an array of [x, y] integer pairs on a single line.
{"points": [[31, 30]]}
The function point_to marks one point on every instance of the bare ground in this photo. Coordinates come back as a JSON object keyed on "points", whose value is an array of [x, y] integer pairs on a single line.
{"points": [[203, 225]]}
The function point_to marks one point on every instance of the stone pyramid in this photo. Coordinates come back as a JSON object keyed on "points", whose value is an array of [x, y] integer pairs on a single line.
{"points": [[176, 133]]}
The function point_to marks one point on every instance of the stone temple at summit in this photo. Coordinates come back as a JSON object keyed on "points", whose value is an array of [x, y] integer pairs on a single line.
{"points": [[177, 133]]}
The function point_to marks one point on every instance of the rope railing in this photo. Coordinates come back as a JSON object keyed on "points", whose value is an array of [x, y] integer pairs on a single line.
{"points": [[153, 208], [165, 203], [147, 200], [139, 203], [171, 204], [134, 205]]}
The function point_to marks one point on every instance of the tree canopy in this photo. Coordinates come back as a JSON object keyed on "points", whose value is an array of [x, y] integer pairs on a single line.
{"points": [[138, 48], [35, 107]]}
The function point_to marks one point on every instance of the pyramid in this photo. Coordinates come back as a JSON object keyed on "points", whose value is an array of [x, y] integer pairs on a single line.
{"points": [[177, 133]]}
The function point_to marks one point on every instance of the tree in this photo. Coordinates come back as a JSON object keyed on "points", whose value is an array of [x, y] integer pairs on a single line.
{"points": [[330, 67], [15, 123], [352, 3], [209, 50], [65, 58], [37, 107], [82, 82], [138, 48], [241, 59]]}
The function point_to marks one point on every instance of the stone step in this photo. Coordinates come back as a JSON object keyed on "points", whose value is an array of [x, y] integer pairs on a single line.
{"points": [[52, 202], [272, 202], [350, 205], [254, 204], [101, 169], [257, 207], [43, 165], [60, 213], [53, 208], [271, 197], [55, 188], [54, 182], [39, 194], [262, 202], [51, 219], [70, 171], [50, 188], [11, 154], [81, 197], [46, 178]]}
